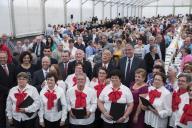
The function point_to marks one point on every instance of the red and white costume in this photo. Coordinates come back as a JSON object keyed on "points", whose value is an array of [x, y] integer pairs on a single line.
{"points": [[49, 104], [109, 95], [161, 99], [82, 99]]}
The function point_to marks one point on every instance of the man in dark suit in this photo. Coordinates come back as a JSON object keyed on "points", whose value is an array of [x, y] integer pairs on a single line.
{"points": [[79, 57], [106, 63], [38, 47], [40, 75], [63, 66], [7, 81], [46, 52], [129, 64]]}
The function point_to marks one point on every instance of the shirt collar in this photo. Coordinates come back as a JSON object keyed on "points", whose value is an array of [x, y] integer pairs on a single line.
{"points": [[111, 85], [4, 65], [45, 70], [130, 58], [105, 64], [26, 87], [55, 87]]}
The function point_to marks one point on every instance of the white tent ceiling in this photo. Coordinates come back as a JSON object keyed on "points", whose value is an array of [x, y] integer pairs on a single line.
{"points": [[128, 2]]}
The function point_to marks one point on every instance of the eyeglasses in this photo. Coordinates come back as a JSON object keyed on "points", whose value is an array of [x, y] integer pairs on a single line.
{"points": [[22, 79], [50, 79], [158, 79], [181, 81], [102, 72]]}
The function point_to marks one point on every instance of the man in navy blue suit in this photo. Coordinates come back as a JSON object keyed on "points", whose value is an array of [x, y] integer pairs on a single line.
{"points": [[128, 64]]}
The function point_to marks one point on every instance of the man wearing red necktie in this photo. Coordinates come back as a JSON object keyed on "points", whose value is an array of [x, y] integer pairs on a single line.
{"points": [[81, 98], [7, 81]]}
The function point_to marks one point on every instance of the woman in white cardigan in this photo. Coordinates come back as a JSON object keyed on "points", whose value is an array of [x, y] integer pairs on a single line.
{"points": [[53, 110], [160, 98]]}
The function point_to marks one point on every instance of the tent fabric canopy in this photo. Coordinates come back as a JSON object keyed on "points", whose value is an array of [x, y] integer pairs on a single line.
{"points": [[128, 2]]}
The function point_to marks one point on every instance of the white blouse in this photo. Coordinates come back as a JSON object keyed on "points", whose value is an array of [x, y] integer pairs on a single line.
{"points": [[94, 83], [69, 81], [53, 114], [126, 97], [11, 103], [91, 105], [162, 105], [60, 83], [176, 116]]}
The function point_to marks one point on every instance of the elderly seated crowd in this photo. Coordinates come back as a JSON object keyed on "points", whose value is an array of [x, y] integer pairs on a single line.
{"points": [[98, 75]]}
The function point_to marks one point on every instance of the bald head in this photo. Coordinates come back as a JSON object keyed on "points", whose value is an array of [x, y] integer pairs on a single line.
{"points": [[46, 62], [79, 55], [106, 56]]}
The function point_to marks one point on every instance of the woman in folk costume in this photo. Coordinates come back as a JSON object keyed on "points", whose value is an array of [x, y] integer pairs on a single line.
{"points": [[82, 103], [180, 97], [186, 118], [22, 103], [114, 95], [160, 98], [72, 79], [98, 84], [53, 110]]}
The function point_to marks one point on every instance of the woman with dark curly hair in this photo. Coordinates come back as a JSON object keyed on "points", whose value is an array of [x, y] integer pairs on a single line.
{"points": [[26, 65]]}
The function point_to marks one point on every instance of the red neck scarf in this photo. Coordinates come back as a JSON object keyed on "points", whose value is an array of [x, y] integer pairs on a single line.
{"points": [[114, 95], [74, 80], [187, 114], [80, 99], [99, 87], [176, 100], [154, 94], [20, 96], [51, 96]]}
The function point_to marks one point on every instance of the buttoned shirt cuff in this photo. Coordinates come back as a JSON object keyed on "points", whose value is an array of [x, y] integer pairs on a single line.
{"points": [[69, 109], [63, 119], [10, 117], [26, 109], [91, 110], [41, 120]]}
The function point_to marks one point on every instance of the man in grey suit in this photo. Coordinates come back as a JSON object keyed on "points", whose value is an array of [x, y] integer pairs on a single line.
{"points": [[128, 64]]}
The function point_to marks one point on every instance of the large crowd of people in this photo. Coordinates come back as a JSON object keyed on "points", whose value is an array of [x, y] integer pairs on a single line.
{"points": [[98, 74]]}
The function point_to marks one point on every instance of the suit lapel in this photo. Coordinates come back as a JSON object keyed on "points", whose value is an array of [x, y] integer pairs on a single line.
{"points": [[124, 64], [61, 66], [41, 74], [3, 71], [134, 63]]}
